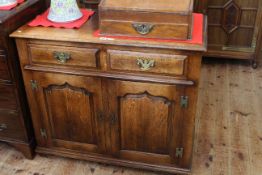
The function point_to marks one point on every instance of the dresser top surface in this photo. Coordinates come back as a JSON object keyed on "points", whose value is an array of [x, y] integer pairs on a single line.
{"points": [[6, 15], [173, 6], [86, 35]]}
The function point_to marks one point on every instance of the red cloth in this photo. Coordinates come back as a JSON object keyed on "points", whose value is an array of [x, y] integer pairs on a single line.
{"points": [[10, 7], [41, 20], [197, 34]]}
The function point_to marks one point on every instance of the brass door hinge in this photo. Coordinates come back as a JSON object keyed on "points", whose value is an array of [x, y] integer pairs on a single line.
{"points": [[43, 133], [184, 101], [179, 152], [33, 84]]}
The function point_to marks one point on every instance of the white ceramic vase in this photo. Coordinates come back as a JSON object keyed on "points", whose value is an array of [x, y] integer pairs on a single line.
{"points": [[7, 2], [64, 11]]}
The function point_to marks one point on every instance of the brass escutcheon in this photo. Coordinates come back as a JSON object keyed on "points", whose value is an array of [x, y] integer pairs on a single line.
{"points": [[143, 29], [62, 56]]}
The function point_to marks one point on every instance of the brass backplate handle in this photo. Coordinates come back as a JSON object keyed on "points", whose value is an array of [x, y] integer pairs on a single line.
{"points": [[62, 56], [143, 29], [145, 64]]}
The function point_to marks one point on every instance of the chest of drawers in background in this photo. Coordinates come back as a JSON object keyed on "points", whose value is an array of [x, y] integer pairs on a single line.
{"points": [[234, 28], [15, 122]]}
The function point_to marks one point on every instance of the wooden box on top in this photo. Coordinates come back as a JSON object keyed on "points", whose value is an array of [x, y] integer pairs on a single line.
{"points": [[169, 19]]}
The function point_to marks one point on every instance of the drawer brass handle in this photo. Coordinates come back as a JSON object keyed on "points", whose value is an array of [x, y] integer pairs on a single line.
{"points": [[62, 56], [3, 127], [143, 29], [145, 64]]}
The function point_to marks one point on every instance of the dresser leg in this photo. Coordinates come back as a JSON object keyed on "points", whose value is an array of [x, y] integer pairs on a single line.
{"points": [[27, 149]]}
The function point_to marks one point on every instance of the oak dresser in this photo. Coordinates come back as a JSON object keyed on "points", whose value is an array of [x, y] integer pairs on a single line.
{"points": [[121, 102], [15, 122]]}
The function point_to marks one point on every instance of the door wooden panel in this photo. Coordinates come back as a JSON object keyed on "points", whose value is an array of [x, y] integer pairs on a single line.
{"points": [[71, 109], [144, 121], [64, 113], [133, 128]]}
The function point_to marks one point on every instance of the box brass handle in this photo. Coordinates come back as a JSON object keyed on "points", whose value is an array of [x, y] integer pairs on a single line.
{"points": [[143, 29], [3, 127], [62, 56], [145, 64]]}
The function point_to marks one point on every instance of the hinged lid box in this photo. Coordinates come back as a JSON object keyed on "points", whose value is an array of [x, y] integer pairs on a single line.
{"points": [[165, 19]]}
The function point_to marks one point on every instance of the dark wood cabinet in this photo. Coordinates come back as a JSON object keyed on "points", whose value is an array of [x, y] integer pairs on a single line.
{"points": [[234, 28], [105, 100], [15, 123]]}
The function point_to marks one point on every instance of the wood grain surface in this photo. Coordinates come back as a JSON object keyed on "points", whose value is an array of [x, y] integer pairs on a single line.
{"points": [[228, 130]]}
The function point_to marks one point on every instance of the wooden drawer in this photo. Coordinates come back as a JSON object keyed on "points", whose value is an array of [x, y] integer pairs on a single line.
{"points": [[10, 125], [163, 31], [64, 56], [7, 97], [4, 71], [165, 64]]}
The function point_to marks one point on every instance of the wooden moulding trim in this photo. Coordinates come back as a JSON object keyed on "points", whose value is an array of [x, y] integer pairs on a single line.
{"points": [[230, 54], [112, 161], [144, 11], [120, 15], [111, 75]]}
